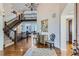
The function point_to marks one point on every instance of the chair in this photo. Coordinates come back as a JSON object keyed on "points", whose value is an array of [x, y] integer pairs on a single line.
{"points": [[51, 41]]}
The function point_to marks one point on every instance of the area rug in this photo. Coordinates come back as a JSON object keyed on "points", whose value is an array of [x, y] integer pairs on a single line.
{"points": [[40, 52]]}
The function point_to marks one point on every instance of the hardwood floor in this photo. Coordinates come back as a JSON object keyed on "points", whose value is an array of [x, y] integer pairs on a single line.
{"points": [[69, 49], [23, 45], [18, 50]]}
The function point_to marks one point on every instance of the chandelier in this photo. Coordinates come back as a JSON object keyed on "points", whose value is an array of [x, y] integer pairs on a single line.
{"points": [[32, 6]]}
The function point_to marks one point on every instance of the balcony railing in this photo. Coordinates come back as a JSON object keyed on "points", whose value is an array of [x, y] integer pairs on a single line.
{"points": [[30, 15]]}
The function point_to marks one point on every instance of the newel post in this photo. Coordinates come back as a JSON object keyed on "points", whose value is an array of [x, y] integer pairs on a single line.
{"points": [[15, 39]]}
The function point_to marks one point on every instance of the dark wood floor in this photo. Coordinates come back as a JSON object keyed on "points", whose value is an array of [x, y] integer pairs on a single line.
{"points": [[22, 46]]}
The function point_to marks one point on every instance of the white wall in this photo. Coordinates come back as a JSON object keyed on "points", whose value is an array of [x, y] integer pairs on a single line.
{"points": [[8, 8], [63, 33], [1, 33], [22, 27], [32, 25], [9, 16], [45, 11], [64, 30], [78, 22], [1, 28], [67, 14]]}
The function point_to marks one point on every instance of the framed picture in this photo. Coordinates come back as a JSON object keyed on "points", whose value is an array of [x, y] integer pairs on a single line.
{"points": [[44, 25]]}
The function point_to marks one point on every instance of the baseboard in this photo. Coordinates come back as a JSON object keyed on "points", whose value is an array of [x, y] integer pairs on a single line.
{"points": [[63, 49], [1, 49], [57, 46], [1, 53]]}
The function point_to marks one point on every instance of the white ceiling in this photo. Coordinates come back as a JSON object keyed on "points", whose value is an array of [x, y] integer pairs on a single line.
{"points": [[69, 9], [19, 7]]}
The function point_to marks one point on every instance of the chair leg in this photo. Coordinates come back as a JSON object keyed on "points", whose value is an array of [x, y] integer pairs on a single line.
{"points": [[53, 45], [50, 46]]}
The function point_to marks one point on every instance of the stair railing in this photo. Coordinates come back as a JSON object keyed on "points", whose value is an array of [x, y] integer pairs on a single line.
{"points": [[12, 34]]}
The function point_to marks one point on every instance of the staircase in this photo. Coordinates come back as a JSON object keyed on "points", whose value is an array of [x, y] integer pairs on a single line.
{"points": [[10, 35]]}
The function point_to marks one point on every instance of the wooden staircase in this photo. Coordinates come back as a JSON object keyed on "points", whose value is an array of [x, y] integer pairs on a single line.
{"points": [[8, 28], [9, 25]]}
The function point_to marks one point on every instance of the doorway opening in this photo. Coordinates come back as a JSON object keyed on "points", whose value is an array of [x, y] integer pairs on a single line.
{"points": [[70, 31], [69, 36]]}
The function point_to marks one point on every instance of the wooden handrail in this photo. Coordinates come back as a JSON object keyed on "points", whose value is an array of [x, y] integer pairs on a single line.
{"points": [[19, 18], [8, 27]]}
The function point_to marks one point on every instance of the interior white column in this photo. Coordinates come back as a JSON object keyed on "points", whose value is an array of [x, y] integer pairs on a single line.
{"points": [[63, 35]]}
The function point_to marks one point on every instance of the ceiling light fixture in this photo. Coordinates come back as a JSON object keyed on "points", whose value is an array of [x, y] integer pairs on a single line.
{"points": [[32, 6]]}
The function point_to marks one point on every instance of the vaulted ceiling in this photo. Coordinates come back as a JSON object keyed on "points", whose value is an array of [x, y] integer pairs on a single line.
{"points": [[21, 7], [18, 7]]}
